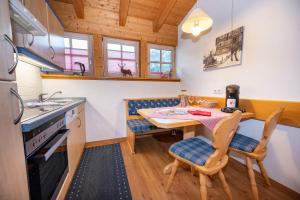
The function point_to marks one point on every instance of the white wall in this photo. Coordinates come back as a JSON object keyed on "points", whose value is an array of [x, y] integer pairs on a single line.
{"points": [[29, 81], [105, 115], [270, 69]]}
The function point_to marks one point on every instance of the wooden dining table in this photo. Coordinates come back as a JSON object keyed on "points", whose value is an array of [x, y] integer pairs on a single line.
{"points": [[188, 126]]}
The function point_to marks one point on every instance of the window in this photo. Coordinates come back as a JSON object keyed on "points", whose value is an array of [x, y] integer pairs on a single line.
{"points": [[120, 55], [161, 59], [78, 49]]}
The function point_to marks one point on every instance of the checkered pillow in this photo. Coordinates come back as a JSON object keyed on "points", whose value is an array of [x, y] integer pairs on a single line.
{"points": [[140, 125], [243, 143], [193, 149]]}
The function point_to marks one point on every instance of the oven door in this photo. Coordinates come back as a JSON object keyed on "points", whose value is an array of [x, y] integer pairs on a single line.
{"points": [[48, 167]]}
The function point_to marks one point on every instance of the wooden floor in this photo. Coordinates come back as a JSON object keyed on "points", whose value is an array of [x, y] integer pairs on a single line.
{"points": [[147, 181]]}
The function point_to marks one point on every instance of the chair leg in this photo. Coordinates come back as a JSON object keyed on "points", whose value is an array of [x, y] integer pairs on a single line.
{"points": [[171, 177], [263, 171], [252, 178], [208, 181], [225, 184], [203, 189]]}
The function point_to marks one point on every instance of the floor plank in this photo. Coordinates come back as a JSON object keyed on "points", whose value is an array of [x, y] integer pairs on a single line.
{"points": [[147, 181]]}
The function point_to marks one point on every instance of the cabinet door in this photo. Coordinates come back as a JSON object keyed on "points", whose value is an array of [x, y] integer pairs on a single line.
{"points": [[76, 143], [56, 38], [37, 44], [13, 182], [7, 61]]}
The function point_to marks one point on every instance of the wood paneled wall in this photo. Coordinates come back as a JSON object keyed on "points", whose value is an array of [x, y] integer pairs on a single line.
{"points": [[263, 108], [105, 22]]}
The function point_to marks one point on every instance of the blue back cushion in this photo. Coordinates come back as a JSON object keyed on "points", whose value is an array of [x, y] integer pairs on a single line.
{"points": [[134, 105]]}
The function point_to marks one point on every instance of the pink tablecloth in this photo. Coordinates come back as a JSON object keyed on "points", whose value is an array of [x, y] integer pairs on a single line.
{"points": [[208, 121]]}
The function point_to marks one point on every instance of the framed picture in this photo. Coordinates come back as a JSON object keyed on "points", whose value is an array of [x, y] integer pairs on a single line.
{"points": [[228, 50]]}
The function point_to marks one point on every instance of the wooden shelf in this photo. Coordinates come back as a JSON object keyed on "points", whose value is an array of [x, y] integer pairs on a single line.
{"points": [[76, 77]]}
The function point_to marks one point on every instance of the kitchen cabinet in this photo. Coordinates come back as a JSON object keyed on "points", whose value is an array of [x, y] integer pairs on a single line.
{"points": [[7, 60], [56, 39], [76, 143], [37, 44], [13, 182]]}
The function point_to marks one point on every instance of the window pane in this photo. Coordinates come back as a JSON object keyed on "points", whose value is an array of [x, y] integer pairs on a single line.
{"points": [[166, 68], [113, 54], [79, 52], [67, 51], [128, 55], [154, 68], [128, 48], [67, 42], [130, 65], [68, 62], [79, 44], [154, 55], [115, 47], [166, 56], [113, 66]]}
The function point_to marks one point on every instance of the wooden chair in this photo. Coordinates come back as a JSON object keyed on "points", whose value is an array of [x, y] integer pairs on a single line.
{"points": [[253, 149], [207, 159]]}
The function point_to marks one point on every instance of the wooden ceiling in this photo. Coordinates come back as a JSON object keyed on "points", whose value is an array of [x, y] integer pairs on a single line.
{"points": [[160, 12]]}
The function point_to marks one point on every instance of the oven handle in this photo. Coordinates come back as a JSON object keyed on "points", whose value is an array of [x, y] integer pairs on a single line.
{"points": [[49, 153]]}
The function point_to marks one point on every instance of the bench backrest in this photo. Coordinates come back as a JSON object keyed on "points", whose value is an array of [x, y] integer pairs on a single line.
{"points": [[132, 105]]}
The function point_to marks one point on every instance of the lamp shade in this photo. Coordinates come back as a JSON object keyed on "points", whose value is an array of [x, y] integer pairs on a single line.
{"points": [[197, 22]]}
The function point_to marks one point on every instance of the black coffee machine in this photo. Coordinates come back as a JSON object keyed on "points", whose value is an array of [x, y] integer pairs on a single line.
{"points": [[232, 99]]}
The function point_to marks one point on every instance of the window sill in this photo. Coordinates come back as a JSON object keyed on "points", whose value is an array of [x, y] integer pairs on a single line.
{"points": [[76, 77]]}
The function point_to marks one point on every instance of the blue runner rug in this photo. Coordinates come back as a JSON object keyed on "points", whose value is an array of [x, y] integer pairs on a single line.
{"points": [[101, 175]]}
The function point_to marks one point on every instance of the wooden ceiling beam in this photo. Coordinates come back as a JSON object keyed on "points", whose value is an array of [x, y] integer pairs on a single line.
{"points": [[123, 11], [166, 7], [79, 8]]}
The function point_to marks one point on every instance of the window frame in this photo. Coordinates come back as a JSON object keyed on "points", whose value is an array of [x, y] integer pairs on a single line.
{"points": [[81, 36], [135, 43], [160, 47]]}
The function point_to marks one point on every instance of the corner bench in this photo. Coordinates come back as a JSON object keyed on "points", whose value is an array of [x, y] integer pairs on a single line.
{"points": [[137, 126]]}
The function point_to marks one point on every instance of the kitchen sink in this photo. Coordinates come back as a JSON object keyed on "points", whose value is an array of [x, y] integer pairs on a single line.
{"points": [[50, 102]]}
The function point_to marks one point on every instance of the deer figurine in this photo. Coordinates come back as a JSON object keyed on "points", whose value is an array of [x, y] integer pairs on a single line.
{"points": [[125, 71]]}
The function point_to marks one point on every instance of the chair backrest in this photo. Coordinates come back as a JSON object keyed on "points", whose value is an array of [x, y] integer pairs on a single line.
{"points": [[222, 136], [270, 125]]}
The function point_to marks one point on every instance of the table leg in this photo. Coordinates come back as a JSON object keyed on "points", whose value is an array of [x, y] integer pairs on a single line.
{"points": [[189, 131]]}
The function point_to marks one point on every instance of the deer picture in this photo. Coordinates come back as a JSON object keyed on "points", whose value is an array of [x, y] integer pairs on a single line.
{"points": [[125, 71]]}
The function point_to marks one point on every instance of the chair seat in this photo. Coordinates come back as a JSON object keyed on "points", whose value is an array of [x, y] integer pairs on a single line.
{"points": [[193, 149], [243, 143], [140, 125]]}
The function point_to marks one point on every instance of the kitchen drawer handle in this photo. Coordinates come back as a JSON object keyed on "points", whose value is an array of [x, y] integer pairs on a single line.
{"points": [[53, 51], [13, 67], [18, 119], [32, 41], [79, 122], [62, 136]]}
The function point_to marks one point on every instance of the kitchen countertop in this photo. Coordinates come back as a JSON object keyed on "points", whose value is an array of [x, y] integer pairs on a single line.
{"points": [[29, 123]]}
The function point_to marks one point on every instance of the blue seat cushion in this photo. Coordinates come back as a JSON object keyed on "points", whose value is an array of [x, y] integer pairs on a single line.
{"points": [[193, 149], [134, 105], [140, 125], [243, 143]]}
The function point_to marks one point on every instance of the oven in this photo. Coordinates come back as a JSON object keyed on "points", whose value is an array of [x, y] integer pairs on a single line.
{"points": [[47, 158]]}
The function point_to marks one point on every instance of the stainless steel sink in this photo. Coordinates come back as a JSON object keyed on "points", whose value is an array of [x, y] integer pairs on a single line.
{"points": [[50, 102]]}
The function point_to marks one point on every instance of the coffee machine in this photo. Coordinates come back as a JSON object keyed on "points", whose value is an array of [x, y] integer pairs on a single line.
{"points": [[232, 99]]}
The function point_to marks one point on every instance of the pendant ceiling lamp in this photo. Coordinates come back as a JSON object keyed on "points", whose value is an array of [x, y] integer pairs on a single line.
{"points": [[197, 22]]}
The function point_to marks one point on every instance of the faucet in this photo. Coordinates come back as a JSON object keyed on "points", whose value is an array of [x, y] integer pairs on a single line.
{"points": [[41, 99]]}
